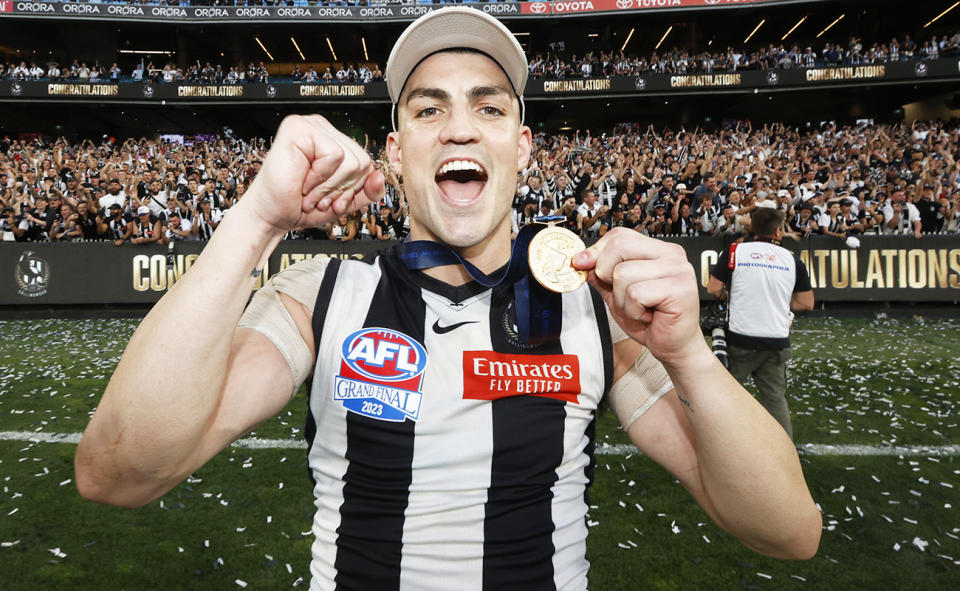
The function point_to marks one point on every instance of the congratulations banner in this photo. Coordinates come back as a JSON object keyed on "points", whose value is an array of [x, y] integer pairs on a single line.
{"points": [[882, 269], [747, 80]]}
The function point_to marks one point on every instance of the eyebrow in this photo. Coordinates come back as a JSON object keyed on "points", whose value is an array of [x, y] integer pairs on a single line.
{"points": [[440, 94]]}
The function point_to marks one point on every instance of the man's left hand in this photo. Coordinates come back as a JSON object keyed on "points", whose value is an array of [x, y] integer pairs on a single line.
{"points": [[651, 290]]}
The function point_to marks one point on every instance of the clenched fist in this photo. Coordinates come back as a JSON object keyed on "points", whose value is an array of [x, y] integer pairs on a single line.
{"points": [[312, 174], [651, 291]]}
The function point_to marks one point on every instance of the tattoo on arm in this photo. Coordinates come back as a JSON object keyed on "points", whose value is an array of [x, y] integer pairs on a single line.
{"points": [[256, 273], [685, 402]]}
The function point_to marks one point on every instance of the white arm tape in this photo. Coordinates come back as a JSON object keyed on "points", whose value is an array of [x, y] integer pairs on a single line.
{"points": [[643, 384], [267, 314]]}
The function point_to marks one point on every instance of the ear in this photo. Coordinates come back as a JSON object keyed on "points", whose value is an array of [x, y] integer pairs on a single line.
{"points": [[523, 147], [394, 153]]}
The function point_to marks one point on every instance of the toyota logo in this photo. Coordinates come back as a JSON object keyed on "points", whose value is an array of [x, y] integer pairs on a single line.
{"points": [[538, 7], [624, 4], [712, 2]]}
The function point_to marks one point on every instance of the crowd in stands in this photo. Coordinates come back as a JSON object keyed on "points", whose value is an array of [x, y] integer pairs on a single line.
{"points": [[555, 63], [253, 72], [839, 181]]}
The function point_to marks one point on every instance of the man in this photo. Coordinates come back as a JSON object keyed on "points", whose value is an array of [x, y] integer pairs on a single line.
{"points": [[206, 221], [900, 216], [930, 211], [115, 195], [468, 481], [592, 214], [146, 228], [177, 229], [766, 282], [118, 229]]}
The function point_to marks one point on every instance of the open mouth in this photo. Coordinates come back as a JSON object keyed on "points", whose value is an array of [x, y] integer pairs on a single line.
{"points": [[461, 181]]}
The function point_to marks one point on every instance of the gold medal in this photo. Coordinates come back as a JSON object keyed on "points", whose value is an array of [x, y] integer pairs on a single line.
{"points": [[550, 259]]}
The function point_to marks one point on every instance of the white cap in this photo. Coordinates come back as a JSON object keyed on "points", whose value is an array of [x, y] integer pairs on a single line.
{"points": [[449, 28], [783, 193], [142, 210], [681, 186], [765, 203]]}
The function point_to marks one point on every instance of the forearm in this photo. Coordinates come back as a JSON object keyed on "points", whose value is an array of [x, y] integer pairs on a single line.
{"points": [[748, 467], [151, 420]]}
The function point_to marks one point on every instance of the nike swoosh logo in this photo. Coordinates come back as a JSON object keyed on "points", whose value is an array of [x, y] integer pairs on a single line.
{"points": [[445, 329]]}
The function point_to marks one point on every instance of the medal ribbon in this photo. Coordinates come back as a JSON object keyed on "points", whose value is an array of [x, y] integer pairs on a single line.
{"points": [[538, 309]]}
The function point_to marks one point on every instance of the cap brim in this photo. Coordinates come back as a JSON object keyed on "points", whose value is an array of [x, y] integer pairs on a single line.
{"points": [[451, 28]]}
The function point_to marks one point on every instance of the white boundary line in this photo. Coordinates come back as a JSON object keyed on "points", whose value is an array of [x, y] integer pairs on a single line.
{"points": [[813, 449]]}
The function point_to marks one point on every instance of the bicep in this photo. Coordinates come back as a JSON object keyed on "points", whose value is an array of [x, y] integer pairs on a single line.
{"points": [[664, 434], [257, 386]]}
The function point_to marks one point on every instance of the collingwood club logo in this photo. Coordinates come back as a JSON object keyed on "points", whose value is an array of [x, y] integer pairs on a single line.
{"points": [[639, 83], [16, 89], [148, 90], [921, 69], [271, 91], [773, 78], [32, 275]]}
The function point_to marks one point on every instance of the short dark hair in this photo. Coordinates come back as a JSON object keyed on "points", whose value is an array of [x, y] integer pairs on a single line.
{"points": [[765, 221]]}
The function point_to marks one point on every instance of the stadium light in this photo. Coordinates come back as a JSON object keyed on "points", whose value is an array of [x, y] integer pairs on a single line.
{"points": [[628, 40], [755, 29], [830, 26], [147, 51], [298, 48], [792, 29], [364, 41], [520, 34], [332, 52], [260, 43], [941, 14], [661, 38]]}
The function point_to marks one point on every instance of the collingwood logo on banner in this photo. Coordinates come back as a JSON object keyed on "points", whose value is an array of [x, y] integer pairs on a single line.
{"points": [[32, 275]]}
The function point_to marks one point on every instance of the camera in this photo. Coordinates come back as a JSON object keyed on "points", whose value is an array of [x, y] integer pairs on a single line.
{"points": [[713, 322]]}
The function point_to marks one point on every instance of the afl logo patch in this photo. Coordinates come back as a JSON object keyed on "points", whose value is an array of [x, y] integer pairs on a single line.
{"points": [[381, 372]]}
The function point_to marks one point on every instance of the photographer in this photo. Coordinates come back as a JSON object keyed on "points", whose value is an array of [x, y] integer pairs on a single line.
{"points": [[177, 229], [900, 216], [39, 219], [65, 228], [766, 282], [11, 229]]}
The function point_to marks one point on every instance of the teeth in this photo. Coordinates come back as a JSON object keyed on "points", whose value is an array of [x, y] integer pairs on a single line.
{"points": [[459, 165]]}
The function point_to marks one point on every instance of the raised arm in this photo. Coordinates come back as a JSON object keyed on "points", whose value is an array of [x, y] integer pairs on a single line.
{"points": [[733, 457], [147, 435]]}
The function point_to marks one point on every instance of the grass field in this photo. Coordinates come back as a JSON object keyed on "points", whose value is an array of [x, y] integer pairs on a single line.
{"points": [[890, 522]]}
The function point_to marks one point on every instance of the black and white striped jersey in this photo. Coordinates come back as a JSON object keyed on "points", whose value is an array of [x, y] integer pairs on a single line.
{"points": [[447, 454]]}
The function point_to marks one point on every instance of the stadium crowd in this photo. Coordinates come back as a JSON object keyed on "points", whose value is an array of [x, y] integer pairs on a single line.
{"points": [[839, 181], [554, 63], [558, 63]]}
